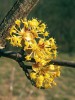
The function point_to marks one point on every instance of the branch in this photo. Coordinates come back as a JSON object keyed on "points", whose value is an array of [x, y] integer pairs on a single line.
{"points": [[20, 9], [24, 67], [19, 58]]}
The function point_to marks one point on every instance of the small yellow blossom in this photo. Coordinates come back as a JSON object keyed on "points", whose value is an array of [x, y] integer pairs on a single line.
{"points": [[42, 27], [33, 23], [46, 34], [28, 57], [33, 75], [15, 41], [12, 30], [40, 78], [47, 75], [58, 73], [52, 67], [48, 85], [17, 22], [25, 23], [39, 81]]}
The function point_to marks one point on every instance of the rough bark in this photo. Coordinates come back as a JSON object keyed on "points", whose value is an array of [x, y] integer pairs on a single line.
{"points": [[20, 9]]}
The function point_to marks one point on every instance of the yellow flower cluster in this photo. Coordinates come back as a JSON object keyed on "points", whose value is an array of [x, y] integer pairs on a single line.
{"points": [[32, 36], [44, 77]]}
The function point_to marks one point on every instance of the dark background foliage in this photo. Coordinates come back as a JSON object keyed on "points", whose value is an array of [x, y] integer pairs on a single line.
{"points": [[59, 15]]}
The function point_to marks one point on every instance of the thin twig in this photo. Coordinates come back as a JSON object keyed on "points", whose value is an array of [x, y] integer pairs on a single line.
{"points": [[22, 65], [19, 58]]}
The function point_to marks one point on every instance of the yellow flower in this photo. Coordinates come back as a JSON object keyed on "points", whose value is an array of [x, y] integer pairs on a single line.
{"points": [[40, 78], [33, 23], [46, 34], [52, 67], [52, 40], [41, 41], [39, 81], [58, 68], [32, 38], [47, 85], [12, 30], [43, 62], [15, 41], [58, 73], [25, 23], [51, 79], [47, 76], [34, 32], [28, 57], [47, 43], [33, 75], [43, 27], [17, 22]]}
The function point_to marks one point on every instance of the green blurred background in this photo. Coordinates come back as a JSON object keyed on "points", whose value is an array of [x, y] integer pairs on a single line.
{"points": [[60, 18], [59, 15]]}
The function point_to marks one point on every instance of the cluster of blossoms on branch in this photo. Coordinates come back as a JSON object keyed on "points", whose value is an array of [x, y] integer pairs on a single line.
{"points": [[33, 37]]}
